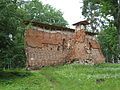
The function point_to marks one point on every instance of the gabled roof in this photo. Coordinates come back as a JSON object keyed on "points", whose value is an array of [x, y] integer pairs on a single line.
{"points": [[85, 22]]}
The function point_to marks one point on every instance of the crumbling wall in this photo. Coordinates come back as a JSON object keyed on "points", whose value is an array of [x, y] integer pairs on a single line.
{"points": [[45, 47], [86, 49]]}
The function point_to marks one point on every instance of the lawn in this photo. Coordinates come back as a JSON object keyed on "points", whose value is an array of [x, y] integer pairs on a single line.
{"points": [[67, 77]]}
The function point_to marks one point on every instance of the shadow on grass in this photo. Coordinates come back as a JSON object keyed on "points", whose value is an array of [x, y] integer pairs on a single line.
{"points": [[9, 76]]}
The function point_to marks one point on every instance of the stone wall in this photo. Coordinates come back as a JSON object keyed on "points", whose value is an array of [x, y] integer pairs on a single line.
{"points": [[86, 49], [47, 47]]}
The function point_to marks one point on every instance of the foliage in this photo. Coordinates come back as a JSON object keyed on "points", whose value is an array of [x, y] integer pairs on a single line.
{"points": [[104, 15], [68, 77], [37, 11], [102, 10], [12, 15], [108, 41]]}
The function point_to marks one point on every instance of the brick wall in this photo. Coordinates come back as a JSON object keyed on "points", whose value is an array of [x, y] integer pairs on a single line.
{"points": [[87, 49], [45, 47]]}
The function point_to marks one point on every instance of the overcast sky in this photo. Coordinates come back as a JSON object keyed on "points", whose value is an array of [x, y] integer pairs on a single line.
{"points": [[70, 8]]}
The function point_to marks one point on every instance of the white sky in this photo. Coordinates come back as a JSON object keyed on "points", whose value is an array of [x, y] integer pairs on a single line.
{"points": [[70, 8]]}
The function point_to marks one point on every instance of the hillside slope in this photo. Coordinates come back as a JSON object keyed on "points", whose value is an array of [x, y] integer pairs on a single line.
{"points": [[67, 77]]}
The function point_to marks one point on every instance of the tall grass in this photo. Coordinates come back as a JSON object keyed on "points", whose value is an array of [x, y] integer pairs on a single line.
{"points": [[67, 77]]}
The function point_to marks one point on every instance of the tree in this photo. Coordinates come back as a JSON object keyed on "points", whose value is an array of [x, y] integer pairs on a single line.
{"points": [[108, 40], [118, 22], [12, 15], [107, 13], [44, 13], [10, 18]]}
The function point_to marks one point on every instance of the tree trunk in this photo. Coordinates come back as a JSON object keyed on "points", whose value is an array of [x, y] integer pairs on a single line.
{"points": [[118, 25]]}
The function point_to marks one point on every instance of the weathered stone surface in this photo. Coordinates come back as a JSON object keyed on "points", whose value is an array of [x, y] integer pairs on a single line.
{"points": [[45, 48], [80, 36]]}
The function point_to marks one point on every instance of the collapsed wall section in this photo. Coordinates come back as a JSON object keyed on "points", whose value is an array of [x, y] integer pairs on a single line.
{"points": [[86, 49]]}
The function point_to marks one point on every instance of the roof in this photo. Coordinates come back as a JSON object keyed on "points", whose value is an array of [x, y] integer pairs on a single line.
{"points": [[48, 26], [91, 33], [53, 27], [85, 22]]}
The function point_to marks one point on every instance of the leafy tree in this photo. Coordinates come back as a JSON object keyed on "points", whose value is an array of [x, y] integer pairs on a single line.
{"points": [[12, 15], [37, 11], [10, 18], [108, 41], [105, 14]]}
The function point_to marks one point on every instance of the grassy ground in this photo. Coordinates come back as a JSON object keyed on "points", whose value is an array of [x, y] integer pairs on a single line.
{"points": [[67, 77]]}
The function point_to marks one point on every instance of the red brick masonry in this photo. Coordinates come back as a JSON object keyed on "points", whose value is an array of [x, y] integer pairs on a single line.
{"points": [[46, 47]]}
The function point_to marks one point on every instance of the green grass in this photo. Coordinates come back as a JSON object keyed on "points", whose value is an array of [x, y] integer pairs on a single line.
{"points": [[67, 77]]}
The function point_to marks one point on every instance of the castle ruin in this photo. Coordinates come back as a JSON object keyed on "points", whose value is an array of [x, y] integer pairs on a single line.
{"points": [[52, 45]]}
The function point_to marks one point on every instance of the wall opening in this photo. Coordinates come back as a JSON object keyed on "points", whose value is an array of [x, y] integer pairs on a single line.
{"points": [[58, 48], [63, 44]]}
